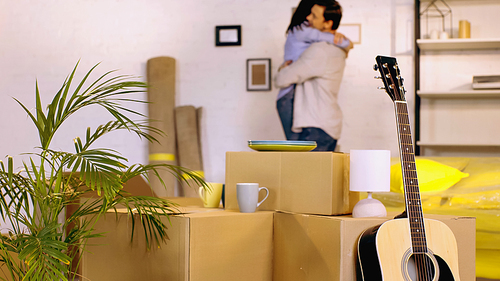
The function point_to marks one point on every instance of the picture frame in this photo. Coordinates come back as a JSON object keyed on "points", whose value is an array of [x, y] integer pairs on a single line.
{"points": [[228, 35], [351, 31], [259, 74]]}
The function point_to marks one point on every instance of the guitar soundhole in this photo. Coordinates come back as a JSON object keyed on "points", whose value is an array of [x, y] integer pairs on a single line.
{"points": [[420, 267]]}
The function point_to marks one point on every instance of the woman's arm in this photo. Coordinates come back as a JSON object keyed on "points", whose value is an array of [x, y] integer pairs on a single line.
{"points": [[312, 35]]}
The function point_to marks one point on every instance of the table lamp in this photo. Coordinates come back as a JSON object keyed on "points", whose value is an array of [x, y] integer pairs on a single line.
{"points": [[370, 171]]}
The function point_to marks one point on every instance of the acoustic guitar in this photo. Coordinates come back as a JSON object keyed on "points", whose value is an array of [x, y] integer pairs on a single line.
{"points": [[408, 247]]}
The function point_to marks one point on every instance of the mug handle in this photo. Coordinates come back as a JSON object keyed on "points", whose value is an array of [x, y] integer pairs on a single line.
{"points": [[267, 194], [200, 193]]}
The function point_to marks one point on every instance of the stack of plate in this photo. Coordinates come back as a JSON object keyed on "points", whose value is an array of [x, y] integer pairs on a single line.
{"points": [[282, 145]]}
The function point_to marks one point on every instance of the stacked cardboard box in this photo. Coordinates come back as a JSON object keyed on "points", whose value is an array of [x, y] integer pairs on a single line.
{"points": [[203, 245], [213, 244], [312, 247], [303, 232], [301, 182], [315, 238]]}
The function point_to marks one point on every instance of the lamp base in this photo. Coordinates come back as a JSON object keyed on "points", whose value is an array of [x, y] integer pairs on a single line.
{"points": [[369, 207]]}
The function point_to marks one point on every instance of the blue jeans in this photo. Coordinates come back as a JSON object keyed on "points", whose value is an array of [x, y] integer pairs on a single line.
{"points": [[285, 111]]}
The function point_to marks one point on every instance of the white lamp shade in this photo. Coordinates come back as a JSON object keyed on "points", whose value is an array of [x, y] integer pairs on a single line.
{"points": [[370, 170]]}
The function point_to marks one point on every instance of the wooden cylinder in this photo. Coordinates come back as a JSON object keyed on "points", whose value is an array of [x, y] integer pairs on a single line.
{"points": [[463, 29], [188, 146], [161, 97]]}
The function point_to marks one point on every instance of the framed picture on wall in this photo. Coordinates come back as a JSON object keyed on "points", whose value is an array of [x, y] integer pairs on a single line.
{"points": [[228, 35], [351, 31], [258, 74]]}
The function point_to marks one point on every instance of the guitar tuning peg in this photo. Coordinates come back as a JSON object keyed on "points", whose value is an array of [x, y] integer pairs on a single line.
{"points": [[378, 77], [375, 67], [381, 88]]}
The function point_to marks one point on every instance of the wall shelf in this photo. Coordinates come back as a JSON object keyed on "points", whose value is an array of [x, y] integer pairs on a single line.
{"points": [[458, 44], [459, 94], [425, 143]]}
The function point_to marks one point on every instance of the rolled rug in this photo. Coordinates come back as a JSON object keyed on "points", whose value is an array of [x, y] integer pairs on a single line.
{"points": [[161, 97], [188, 146], [199, 115]]}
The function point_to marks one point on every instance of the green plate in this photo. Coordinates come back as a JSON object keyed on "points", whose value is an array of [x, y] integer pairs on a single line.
{"points": [[282, 145]]}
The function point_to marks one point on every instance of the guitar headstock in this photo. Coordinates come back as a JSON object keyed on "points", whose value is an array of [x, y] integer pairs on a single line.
{"points": [[389, 73]]}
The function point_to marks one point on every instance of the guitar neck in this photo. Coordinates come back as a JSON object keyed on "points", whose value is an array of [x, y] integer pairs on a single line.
{"points": [[410, 181]]}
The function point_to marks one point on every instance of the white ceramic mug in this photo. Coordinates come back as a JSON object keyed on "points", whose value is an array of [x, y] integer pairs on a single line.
{"points": [[248, 196]]}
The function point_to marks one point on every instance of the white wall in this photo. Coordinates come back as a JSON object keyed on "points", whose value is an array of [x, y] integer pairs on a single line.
{"points": [[44, 39]]}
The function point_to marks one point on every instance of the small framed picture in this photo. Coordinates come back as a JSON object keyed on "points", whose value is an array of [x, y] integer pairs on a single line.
{"points": [[351, 31], [228, 35], [258, 74]]}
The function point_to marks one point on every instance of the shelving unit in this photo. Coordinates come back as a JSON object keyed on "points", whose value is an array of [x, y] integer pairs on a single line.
{"points": [[452, 119]]}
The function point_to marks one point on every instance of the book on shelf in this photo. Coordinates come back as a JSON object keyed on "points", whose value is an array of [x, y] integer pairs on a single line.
{"points": [[486, 82]]}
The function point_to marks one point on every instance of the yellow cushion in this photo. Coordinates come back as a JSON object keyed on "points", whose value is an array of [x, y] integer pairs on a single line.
{"points": [[432, 176]]}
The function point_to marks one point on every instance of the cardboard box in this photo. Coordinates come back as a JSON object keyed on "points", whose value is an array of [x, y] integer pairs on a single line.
{"points": [[186, 201], [204, 244], [301, 182], [311, 247]]}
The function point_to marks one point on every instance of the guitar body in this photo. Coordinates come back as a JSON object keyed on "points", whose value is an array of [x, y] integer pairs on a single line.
{"points": [[385, 253]]}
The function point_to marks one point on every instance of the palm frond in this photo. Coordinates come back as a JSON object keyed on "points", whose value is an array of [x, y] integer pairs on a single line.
{"points": [[43, 253], [149, 211], [98, 168], [8, 257], [15, 195], [140, 128], [106, 94]]}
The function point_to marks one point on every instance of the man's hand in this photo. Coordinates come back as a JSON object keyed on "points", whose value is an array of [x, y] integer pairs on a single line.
{"points": [[285, 64]]}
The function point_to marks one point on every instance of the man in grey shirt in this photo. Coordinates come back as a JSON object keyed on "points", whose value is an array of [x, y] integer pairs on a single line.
{"points": [[312, 107]]}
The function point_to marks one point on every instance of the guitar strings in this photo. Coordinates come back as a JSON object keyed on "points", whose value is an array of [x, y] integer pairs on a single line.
{"points": [[411, 190], [412, 194]]}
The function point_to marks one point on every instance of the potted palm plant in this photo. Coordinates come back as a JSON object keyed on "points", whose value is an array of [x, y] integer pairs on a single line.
{"points": [[43, 242]]}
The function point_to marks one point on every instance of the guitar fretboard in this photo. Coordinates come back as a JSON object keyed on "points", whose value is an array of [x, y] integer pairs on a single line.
{"points": [[410, 181]]}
